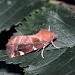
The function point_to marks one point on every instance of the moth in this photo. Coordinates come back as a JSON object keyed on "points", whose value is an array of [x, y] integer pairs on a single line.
{"points": [[23, 44]]}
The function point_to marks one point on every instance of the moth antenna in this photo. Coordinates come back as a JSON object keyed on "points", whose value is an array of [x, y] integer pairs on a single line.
{"points": [[49, 28]]}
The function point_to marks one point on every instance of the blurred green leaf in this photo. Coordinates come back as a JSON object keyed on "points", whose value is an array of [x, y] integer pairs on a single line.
{"points": [[57, 61], [62, 63], [13, 11]]}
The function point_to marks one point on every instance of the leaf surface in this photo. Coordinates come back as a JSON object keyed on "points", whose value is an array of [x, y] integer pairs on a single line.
{"points": [[13, 11], [57, 61]]}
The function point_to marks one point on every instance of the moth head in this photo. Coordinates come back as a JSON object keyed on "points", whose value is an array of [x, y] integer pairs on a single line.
{"points": [[54, 36]]}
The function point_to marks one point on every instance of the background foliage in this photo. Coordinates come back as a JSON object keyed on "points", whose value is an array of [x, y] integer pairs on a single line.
{"points": [[61, 19]]}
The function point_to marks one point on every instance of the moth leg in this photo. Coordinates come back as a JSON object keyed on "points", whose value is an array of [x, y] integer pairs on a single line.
{"points": [[43, 49], [42, 52], [54, 44]]}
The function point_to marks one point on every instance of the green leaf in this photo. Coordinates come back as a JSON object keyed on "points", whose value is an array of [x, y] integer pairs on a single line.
{"points": [[62, 63], [56, 61], [13, 11]]}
